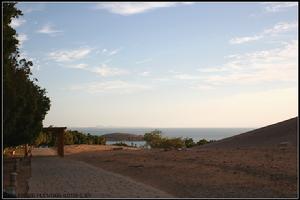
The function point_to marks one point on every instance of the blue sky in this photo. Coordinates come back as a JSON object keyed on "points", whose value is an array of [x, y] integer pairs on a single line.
{"points": [[164, 64]]}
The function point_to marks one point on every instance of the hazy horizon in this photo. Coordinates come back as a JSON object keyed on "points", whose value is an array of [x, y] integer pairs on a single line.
{"points": [[163, 64]]}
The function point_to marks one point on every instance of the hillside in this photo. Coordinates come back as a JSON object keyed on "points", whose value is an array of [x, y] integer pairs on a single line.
{"points": [[272, 135], [122, 137]]}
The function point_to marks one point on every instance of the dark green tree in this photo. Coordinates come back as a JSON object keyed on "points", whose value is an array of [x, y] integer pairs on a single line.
{"points": [[202, 142], [25, 104], [189, 142]]}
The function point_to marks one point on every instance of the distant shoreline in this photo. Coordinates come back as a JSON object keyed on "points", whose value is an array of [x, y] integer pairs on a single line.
{"points": [[195, 133]]}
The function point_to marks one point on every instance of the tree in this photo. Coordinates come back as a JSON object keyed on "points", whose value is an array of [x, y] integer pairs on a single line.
{"points": [[153, 138], [25, 104], [202, 142], [68, 138], [189, 142]]}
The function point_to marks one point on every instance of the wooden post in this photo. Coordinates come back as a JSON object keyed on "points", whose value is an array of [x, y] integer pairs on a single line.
{"points": [[60, 143], [26, 150], [59, 131]]}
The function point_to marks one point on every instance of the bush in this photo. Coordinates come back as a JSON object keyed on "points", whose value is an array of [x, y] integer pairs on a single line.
{"points": [[204, 141], [153, 138], [172, 143], [189, 142], [70, 137], [120, 144]]}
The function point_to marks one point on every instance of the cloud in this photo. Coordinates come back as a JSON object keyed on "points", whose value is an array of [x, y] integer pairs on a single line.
{"points": [[49, 30], [31, 7], [69, 55], [78, 66], [212, 69], [240, 40], [143, 61], [279, 6], [16, 22], [109, 53], [145, 73], [106, 71], [113, 52], [116, 86], [280, 27], [186, 77], [36, 62], [202, 87], [22, 38], [279, 64], [126, 8], [274, 65]]}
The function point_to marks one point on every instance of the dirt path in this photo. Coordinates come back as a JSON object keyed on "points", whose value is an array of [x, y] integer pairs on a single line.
{"points": [[61, 177]]}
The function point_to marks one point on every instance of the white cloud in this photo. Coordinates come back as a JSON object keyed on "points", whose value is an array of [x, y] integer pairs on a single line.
{"points": [[273, 65], [279, 6], [16, 22], [109, 53], [106, 71], [113, 52], [69, 55], [202, 87], [22, 38], [116, 86], [279, 64], [31, 7], [130, 8], [145, 73], [49, 30], [212, 69], [36, 63], [240, 40], [186, 77], [280, 27], [143, 61], [79, 66]]}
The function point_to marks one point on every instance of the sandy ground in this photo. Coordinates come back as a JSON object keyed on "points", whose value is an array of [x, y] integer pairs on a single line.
{"points": [[203, 173], [52, 176]]}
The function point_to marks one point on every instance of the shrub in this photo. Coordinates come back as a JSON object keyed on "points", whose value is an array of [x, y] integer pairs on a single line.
{"points": [[189, 142], [202, 142], [172, 143], [120, 144], [153, 138]]}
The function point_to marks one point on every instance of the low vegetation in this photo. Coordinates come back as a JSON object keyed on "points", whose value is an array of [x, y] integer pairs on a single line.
{"points": [[121, 144], [122, 137], [70, 137], [156, 140]]}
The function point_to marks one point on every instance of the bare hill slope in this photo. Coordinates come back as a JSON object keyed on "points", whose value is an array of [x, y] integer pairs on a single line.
{"points": [[272, 135]]}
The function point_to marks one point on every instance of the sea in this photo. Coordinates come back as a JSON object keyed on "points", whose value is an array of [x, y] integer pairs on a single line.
{"points": [[195, 133]]}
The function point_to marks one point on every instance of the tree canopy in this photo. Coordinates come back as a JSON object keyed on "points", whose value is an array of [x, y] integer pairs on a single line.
{"points": [[25, 104]]}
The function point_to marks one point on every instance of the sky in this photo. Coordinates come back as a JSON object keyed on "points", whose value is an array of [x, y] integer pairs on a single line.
{"points": [[163, 64]]}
